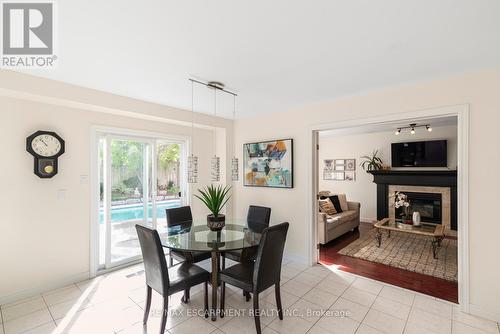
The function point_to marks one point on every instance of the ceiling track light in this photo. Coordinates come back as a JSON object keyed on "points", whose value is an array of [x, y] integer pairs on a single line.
{"points": [[413, 127]]}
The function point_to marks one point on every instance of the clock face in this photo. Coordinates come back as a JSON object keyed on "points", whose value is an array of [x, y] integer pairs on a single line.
{"points": [[46, 145]]}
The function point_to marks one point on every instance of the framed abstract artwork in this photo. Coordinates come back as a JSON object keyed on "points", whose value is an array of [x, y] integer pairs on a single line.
{"points": [[268, 164]]}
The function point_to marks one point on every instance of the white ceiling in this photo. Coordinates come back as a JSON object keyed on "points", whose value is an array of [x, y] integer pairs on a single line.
{"points": [[276, 54]]}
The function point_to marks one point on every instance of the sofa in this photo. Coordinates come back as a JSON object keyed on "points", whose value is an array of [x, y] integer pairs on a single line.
{"points": [[333, 226]]}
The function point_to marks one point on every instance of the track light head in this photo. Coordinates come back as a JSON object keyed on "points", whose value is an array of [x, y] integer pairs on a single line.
{"points": [[428, 127], [412, 128]]}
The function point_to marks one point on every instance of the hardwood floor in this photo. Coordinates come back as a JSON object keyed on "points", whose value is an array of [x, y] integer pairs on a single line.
{"points": [[429, 285]]}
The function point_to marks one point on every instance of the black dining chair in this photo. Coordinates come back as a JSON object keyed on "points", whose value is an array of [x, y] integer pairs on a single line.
{"points": [[258, 218], [164, 280], [182, 217], [259, 275]]}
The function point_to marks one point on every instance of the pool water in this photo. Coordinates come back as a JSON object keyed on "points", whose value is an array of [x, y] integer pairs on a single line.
{"points": [[136, 211]]}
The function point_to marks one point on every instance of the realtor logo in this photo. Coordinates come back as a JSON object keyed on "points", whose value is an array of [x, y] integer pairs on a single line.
{"points": [[28, 34]]}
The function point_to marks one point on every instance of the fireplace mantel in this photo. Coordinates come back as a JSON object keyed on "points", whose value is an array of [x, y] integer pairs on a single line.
{"points": [[426, 178], [436, 178]]}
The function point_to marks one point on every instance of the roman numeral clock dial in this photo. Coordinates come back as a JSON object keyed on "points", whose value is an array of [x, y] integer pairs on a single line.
{"points": [[46, 147]]}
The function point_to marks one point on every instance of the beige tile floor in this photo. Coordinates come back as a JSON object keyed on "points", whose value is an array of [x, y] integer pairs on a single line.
{"points": [[317, 300]]}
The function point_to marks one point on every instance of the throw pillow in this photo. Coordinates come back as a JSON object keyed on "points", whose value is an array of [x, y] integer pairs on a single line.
{"points": [[336, 203], [324, 193], [343, 202], [326, 206]]}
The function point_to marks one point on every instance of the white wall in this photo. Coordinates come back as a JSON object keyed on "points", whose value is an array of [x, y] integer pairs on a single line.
{"points": [[44, 241], [354, 146], [478, 89]]}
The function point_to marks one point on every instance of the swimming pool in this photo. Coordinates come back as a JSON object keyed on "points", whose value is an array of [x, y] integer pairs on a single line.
{"points": [[136, 211]]}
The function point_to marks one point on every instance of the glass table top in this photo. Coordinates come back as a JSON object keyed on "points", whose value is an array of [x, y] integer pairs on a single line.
{"points": [[198, 237], [397, 225]]}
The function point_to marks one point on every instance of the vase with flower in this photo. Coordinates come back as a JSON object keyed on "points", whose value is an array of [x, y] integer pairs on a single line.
{"points": [[401, 201]]}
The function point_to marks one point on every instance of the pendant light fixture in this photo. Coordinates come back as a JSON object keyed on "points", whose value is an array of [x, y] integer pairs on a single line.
{"points": [[234, 160], [215, 162], [192, 159]]}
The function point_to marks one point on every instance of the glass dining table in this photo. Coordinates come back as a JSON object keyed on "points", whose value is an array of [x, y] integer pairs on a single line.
{"points": [[197, 237]]}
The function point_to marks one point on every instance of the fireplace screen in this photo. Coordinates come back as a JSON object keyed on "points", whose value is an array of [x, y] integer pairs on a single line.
{"points": [[428, 204]]}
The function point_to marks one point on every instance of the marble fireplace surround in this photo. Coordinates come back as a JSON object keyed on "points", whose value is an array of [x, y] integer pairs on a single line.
{"points": [[445, 198]]}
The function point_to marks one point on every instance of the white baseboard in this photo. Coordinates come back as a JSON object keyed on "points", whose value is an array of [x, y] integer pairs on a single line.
{"points": [[367, 220], [481, 312], [27, 293]]}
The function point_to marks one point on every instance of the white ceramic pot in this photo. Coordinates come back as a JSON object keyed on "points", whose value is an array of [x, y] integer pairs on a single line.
{"points": [[416, 218]]}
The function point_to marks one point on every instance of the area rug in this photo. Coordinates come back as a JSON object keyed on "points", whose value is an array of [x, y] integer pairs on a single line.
{"points": [[407, 251]]}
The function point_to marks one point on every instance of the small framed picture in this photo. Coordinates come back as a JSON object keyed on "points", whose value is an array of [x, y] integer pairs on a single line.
{"points": [[339, 164], [350, 176], [328, 169], [328, 164], [339, 176], [350, 164]]}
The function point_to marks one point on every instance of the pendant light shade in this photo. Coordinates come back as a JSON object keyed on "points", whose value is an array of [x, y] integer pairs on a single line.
{"points": [[215, 168], [192, 169], [234, 161], [234, 169], [192, 166]]}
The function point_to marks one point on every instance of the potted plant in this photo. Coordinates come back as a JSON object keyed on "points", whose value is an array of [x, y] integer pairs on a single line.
{"points": [[215, 197], [372, 162], [401, 201]]}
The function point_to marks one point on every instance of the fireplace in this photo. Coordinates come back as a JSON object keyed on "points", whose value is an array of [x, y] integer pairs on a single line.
{"points": [[428, 204], [432, 189]]}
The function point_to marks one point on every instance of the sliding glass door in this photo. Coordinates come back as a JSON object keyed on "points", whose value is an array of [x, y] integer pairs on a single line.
{"points": [[139, 178], [129, 181]]}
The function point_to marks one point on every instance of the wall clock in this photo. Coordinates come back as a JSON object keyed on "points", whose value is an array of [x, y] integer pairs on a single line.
{"points": [[46, 147]]}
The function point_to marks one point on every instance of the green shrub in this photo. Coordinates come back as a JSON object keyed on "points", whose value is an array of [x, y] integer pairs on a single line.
{"points": [[133, 182]]}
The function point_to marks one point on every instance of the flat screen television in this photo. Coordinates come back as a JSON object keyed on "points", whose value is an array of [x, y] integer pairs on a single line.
{"points": [[432, 153]]}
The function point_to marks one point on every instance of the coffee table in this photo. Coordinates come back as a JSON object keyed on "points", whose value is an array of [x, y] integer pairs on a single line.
{"points": [[433, 231]]}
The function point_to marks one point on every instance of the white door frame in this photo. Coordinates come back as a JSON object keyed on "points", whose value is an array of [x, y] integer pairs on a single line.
{"points": [[145, 136], [462, 114]]}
